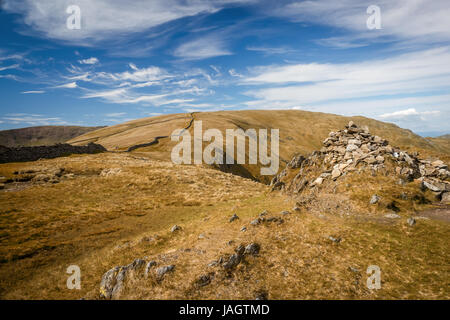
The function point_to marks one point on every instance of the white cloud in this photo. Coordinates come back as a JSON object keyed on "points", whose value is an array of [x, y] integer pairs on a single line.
{"points": [[414, 20], [202, 48], [14, 66], [270, 50], [413, 72], [416, 82], [33, 119], [92, 60], [233, 73], [116, 115], [33, 92], [105, 19], [406, 113], [70, 85]]}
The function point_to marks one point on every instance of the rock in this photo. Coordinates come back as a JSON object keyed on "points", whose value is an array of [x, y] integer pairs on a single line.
{"points": [[336, 173], [317, 182], [109, 285], [255, 222], [351, 147], [110, 172], [439, 164], [203, 280], [370, 160], [264, 213], [234, 217], [213, 263], [161, 271], [252, 249], [380, 159], [232, 262], [284, 213], [374, 199], [149, 265], [243, 229], [445, 198], [353, 269], [377, 139], [296, 208], [430, 186], [392, 216], [411, 221], [335, 240], [175, 228], [356, 142], [201, 236], [113, 280]]}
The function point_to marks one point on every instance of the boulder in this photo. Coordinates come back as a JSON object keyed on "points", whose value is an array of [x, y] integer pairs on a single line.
{"points": [[411, 221], [252, 249], [234, 217], [351, 147], [161, 271], [336, 173], [445, 197], [374, 200]]}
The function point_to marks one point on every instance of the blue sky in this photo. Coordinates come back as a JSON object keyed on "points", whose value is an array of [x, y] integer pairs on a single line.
{"points": [[135, 59]]}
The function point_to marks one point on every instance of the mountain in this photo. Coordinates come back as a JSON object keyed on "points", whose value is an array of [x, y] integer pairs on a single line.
{"points": [[300, 132], [138, 227], [41, 135]]}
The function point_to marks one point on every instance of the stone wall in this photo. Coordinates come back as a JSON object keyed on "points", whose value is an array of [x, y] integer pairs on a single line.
{"points": [[45, 152]]}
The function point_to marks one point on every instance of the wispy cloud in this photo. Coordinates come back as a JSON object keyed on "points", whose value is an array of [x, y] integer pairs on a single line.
{"points": [[116, 115], [33, 92], [419, 21], [70, 85], [420, 79], [14, 66], [104, 19], [32, 119], [92, 60], [407, 113], [202, 48], [270, 50]]}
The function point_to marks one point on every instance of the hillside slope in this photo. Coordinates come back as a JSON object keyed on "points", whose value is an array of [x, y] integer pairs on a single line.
{"points": [[300, 132], [41, 135], [116, 213]]}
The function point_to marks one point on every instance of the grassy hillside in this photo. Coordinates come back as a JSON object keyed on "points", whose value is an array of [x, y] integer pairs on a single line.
{"points": [[42, 135], [109, 209], [300, 132]]}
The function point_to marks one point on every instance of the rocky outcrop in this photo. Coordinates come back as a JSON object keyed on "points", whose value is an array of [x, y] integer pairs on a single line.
{"points": [[353, 149], [46, 152]]}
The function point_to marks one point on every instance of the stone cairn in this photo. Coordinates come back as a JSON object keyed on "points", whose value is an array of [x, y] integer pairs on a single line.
{"points": [[347, 150]]}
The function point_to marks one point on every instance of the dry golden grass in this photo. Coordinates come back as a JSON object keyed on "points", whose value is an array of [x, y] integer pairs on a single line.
{"points": [[100, 222]]}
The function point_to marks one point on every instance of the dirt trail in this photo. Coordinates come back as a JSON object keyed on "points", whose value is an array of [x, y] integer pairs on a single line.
{"points": [[442, 213]]}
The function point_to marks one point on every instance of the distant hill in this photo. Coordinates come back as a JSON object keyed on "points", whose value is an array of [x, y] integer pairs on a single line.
{"points": [[42, 135], [442, 142], [300, 132]]}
